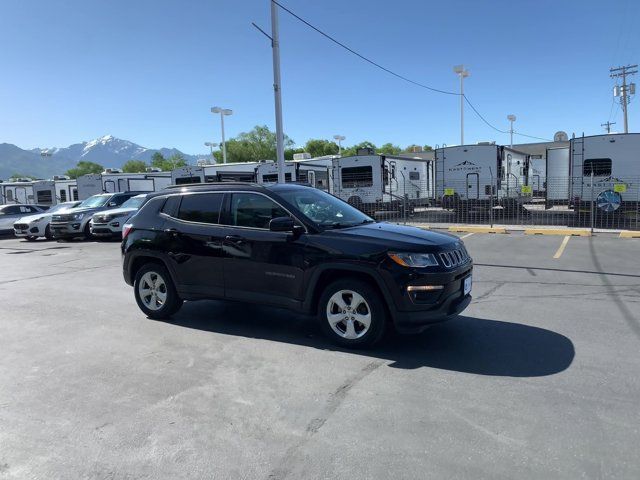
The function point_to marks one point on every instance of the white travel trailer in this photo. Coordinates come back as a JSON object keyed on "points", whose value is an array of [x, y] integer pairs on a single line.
{"points": [[469, 176], [317, 172], [382, 182], [58, 190], [537, 174], [557, 177], [94, 184], [16, 192], [265, 171], [612, 161]]}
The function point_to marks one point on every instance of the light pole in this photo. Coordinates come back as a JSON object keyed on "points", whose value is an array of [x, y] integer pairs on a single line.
{"points": [[222, 112], [462, 73], [511, 118], [211, 146], [339, 138]]}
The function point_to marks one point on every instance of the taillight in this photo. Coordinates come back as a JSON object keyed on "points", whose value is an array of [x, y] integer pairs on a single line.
{"points": [[126, 228]]}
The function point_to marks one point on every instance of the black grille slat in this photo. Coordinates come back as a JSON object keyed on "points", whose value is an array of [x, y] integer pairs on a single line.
{"points": [[454, 258]]}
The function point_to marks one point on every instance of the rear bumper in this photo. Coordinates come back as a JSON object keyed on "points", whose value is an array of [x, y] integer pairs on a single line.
{"points": [[106, 230]]}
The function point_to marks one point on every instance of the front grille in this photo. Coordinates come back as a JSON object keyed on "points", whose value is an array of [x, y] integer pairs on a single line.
{"points": [[454, 258], [20, 226], [101, 219], [61, 218]]}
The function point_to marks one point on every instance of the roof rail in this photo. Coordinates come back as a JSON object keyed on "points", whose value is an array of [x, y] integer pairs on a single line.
{"points": [[211, 184]]}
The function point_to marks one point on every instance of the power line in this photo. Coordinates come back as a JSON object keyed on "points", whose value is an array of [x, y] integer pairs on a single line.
{"points": [[391, 72]]}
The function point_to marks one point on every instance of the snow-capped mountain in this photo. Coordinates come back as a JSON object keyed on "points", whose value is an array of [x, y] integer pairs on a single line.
{"points": [[108, 151]]}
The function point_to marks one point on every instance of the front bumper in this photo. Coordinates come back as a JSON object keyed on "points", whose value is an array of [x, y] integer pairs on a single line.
{"points": [[27, 230], [69, 229], [110, 229], [415, 312]]}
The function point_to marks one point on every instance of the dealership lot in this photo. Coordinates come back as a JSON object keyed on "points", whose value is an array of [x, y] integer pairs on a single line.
{"points": [[537, 379]]}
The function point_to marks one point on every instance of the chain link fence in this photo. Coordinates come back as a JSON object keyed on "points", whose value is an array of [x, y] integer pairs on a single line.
{"points": [[586, 202]]}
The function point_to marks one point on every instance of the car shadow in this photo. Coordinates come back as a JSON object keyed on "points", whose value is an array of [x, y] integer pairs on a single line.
{"points": [[463, 344]]}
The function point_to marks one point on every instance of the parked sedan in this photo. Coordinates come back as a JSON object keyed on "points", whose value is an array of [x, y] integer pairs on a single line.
{"points": [[10, 213], [109, 223], [33, 226]]}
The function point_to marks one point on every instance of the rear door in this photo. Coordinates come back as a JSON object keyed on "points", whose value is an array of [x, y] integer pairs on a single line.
{"points": [[260, 265], [193, 237]]}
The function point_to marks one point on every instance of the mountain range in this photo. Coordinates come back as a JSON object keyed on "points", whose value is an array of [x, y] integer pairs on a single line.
{"points": [[108, 151]]}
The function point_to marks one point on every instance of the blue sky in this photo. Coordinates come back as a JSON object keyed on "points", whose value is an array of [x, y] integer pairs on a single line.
{"points": [[149, 70]]}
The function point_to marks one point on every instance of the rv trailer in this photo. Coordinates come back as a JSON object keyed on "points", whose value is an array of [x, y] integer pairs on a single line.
{"points": [[375, 183], [16, 192], [58, 190], [537, 175], [605, 169], [482, 177], [93, 184]]}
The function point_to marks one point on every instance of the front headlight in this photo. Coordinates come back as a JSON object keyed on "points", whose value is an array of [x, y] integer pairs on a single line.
{"points": [[78, 216], [414, 259]]}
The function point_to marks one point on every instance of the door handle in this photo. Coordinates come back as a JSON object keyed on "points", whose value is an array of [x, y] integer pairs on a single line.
{"points": [[171, 231], [234, 239]]}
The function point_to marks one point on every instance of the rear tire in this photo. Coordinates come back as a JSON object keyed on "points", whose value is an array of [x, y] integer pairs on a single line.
{"points": [[352, 314], [155, 292]]}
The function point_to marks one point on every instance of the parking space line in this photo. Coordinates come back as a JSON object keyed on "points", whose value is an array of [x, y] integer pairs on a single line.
{"points": [[467, 235], [563, 245]]}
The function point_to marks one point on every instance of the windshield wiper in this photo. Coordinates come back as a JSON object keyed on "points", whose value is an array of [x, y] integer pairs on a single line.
{"points": [[368, 220]]}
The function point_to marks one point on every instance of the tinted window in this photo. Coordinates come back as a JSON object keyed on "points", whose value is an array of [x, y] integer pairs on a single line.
{"points": [[357, 177], [44, 196], [204, 207], [170, 206], [186, 180], [9, 195], [252, 210], [120, 199], [597, 166], [273, 178], [63, 196], [414, 175], [11, 210]]}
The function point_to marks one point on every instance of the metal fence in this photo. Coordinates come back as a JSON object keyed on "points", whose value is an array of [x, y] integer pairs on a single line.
{"points": [[587, 202]]}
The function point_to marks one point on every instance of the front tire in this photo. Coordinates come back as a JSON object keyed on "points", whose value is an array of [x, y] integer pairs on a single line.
{"points": [[87, 232], [155, 292], [31, 238], [351, 313], [47, 233]]}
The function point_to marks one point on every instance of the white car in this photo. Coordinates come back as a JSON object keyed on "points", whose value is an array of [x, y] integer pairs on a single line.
{"points": [[10, 213], [34, 226], [108, 223]]}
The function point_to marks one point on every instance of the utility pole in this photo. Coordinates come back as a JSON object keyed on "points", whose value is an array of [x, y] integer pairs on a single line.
{"points": [[624, 90], [275, 47], [511, 118], [607, 126], [462, 73]]}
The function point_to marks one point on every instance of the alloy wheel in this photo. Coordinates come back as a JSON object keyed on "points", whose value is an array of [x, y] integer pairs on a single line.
{"points": [[348, 314]]}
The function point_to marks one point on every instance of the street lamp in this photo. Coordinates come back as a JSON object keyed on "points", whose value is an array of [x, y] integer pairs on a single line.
{"points": [[339, 138], [511, 118], [211, 146], [222, 112], [462, 73]]}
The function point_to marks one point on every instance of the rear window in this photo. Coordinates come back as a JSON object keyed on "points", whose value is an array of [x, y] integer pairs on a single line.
{"points": [[598, 166], [357, 177], [201, 207]]}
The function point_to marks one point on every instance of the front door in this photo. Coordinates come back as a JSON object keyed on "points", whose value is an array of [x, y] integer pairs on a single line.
{"points": [[260, 265], [473, 186], [193, 235]]}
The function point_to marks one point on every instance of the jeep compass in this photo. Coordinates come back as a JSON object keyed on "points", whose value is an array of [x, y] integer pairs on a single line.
{"points": [[297, 247]]}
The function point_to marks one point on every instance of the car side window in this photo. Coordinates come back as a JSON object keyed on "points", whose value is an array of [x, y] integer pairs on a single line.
{"points": [[201, 207], [119, 200], [253, 210], [12, 210]]}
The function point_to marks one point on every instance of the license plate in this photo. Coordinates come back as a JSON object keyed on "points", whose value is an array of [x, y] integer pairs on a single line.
{"points": [[467, 285]]}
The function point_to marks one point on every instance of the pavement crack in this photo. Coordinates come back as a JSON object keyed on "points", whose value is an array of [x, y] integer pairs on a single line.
{"points": [[291, 457]]}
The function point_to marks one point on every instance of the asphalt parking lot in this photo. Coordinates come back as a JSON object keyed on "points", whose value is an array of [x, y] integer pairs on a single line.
{"points": [[538, 378]]}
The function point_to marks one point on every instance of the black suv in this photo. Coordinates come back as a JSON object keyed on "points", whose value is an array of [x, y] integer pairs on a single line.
{"points": [[293, 246]]}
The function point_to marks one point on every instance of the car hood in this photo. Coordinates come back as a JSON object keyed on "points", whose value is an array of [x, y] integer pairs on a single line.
{"points": [[31, 218], [397, 236]]}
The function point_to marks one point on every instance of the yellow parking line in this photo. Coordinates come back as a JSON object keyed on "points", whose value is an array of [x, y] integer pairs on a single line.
{"points": [[563, 245], [629, 234], [558, 231], [475, 229], [467, 235]]}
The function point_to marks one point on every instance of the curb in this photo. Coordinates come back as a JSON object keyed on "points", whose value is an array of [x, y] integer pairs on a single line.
{"points": [[630, 234], [557, 231], [460, 229]]}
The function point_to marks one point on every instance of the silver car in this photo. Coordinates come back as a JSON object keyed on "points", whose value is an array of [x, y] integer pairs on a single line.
{"points": [[10, 213]]}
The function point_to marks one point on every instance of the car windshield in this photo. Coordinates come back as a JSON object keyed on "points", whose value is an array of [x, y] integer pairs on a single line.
{"points": [[323, 209], [134, 202], [95, 201], [60, 206]]}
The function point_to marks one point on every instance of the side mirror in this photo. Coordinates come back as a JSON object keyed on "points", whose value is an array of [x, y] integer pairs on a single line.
{"points": [[281, 224]]}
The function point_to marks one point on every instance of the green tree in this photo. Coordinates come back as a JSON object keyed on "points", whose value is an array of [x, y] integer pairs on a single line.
{"points": [[318, 148], [15, 176], [257, 144], [290, 152], [413, 148], [84, 168], [427, 148], [389, 149], [354, 149], [167, 164], [134, 166]]}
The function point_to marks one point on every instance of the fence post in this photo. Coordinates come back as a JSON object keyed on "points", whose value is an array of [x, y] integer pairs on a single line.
{"points": [[592, 202], [491, 190]]}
